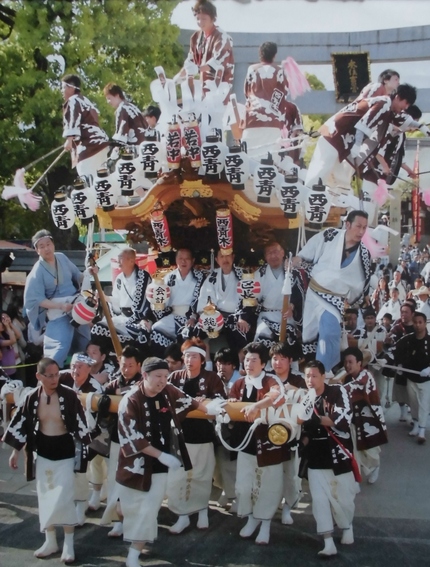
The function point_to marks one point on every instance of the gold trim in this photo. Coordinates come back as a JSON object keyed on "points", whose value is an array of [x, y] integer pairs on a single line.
{"points": [[195, 189], [245, 209]]}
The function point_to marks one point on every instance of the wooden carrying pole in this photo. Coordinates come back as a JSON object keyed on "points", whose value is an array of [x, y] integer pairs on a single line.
{"points": [[114, 336]]}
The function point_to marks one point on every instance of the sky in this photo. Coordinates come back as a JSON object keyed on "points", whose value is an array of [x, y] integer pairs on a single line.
{"points": [[321, 16]]}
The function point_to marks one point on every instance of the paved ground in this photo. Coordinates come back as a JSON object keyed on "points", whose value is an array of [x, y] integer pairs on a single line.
{"points": [[392, 524]]}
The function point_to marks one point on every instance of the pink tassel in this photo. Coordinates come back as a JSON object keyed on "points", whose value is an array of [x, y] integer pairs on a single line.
{"points": [[381, 193], [376, 250], [297, 81], [426, 197], [27, 198]]}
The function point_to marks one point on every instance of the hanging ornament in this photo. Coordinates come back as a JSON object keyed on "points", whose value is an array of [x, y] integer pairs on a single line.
{"points": [[157, 293], [192, 140], [173, 144], [84, 200], [84, 310], [62, 211], [126, 172], [317, 204], [213, 157], [211, 321], [265, 180], [237, 166], [161, 230], [290, 195], [224, 231], [150, 154], [249, 289], [106, 189]]}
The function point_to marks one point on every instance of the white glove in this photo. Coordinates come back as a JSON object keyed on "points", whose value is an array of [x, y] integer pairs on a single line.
{"points": [[425, 373], [214, 407], [170, 461], [425, 129], [381, 362]]}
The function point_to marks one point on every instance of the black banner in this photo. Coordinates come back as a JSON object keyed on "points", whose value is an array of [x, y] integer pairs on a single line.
{"points": [[351, 72]]}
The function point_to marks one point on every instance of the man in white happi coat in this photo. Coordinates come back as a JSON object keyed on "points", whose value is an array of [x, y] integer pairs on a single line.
{"points": [[221, 287], [180, 313], [399, 284], [339, 268]]}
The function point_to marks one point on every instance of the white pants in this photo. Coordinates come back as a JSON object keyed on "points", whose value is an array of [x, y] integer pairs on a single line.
{"points": [[225, 471], [325, 164], [292, 483], [258, 489], [332, 498], [90, 165], [260, 140], [110, 514], [419, 401]]}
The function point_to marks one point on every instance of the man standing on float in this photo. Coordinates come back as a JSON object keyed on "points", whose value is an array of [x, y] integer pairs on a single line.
{"points": [[339, 269]]}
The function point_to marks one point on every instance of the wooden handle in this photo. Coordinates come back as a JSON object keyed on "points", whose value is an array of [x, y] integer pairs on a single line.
{"points": [[283, 330], [114, 336]]}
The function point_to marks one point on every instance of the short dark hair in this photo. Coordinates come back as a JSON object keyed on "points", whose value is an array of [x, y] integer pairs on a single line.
{"points": [[114, 90], [152, 111], [356, 213], [102, 346], [174, 351], [257, 348], [388, 316], [316, 364], [267, 51], [414, 111], [227, 356], [73, 80], [204, 7], [43, 364], [130, 351], [351, 311], [419, 314], [355, 352], [283, 349], [405, 92]]}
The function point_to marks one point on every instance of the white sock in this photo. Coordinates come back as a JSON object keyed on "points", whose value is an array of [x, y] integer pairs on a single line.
{"points": [[49, 547], [68, 555], [133, 557], [117, 530], [81, 508], [250, 527], [94, 502], [329, 547], [203, 520], [104, 491], [422, 432], [264, 533], [287, 520], [347, 536], [233, 507], [415, 429], [182, 523]]}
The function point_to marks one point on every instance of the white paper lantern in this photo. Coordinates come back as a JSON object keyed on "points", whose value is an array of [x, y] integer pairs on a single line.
{"points": [[157, 293], [290, 195], [213, 157], [106, 189], [62, 209], [126, 172], [237, 167], [266, 180], [150, 155], [317, 204], [211, 321], [84, 201]]}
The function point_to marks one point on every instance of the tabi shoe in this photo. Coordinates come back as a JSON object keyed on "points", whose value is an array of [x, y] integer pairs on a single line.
{"points": [[133, 558], [347, 536], [203, 520], [68, 555], [222, 500], [94, 501], [117, 530], [422, 436], [104, 491], [403, 413], [415, 429], [250, 527], [49, 547], [263, 536], [329, 548], [233, 506], [81, 508], [181, 524], [287, 520], [373, 476]]}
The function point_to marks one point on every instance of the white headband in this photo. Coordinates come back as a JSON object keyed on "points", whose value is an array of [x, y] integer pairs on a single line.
{"points": [[196, 349]]}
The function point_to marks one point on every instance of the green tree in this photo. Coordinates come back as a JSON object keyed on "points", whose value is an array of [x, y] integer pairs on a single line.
{"points": [[100, 40], [312, 122]]}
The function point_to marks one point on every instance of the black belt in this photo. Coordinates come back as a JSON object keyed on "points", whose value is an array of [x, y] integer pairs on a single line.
{"points": [[127, 311]]}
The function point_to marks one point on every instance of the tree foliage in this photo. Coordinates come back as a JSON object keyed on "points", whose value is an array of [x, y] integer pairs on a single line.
{"points": [[101, 41]]}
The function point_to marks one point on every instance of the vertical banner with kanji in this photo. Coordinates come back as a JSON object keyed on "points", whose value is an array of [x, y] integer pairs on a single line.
{"points": [[224, 230], [351, 72], [416, 198]]}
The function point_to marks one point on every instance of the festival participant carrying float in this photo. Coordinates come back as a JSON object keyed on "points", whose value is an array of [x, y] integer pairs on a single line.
{"points": [[130, 125], [84, 138], [149, 425], [50, 289]]}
